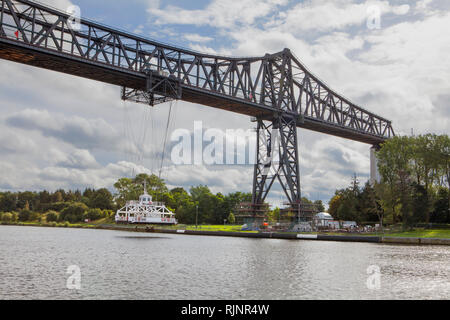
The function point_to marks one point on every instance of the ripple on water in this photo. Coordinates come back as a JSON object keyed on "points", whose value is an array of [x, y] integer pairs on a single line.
{"points": [[115, 265]]}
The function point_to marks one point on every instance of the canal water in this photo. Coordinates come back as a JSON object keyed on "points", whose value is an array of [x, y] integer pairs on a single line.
{"points": [[35, 263]]}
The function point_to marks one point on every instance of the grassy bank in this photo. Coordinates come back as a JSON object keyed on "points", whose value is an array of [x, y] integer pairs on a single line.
{"points": [[423, 233], [224, 228]]}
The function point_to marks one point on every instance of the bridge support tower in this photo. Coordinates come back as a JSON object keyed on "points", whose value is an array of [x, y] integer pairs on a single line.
{"points": [[277, 159]]}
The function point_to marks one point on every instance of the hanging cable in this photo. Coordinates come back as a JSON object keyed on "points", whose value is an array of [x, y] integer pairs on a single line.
{"points": [[165, 140], [128, 145]]}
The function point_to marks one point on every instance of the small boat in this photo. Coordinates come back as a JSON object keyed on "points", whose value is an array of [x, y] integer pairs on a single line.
{"points": [[145, 211]]}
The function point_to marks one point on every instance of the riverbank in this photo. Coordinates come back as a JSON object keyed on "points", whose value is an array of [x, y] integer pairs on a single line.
{"points": [[416, 237]]}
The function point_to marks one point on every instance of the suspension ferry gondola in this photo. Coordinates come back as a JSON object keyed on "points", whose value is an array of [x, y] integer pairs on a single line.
{"points": [[145, 211]]}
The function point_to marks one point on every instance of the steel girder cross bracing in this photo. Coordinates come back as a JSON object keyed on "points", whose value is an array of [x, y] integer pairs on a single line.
{"points": [[277, 145]]}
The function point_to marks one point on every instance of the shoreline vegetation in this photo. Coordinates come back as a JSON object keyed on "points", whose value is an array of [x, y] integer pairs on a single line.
{"points": [[412, 199], [417, 236]]}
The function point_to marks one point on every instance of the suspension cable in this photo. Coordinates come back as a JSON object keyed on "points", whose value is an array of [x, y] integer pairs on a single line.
{"points": [[165, 140]]}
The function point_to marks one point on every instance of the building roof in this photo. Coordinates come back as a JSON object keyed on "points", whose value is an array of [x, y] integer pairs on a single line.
{"points": [[323, 216]]}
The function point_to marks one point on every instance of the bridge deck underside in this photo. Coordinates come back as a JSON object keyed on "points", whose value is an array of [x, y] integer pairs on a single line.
{"points": [[56, 61]]}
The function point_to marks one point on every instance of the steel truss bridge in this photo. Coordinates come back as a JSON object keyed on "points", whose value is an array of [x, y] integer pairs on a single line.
{"points": [[276, 90]]}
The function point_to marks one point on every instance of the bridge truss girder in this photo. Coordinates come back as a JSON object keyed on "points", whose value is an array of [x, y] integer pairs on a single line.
{"points": [[277, 159], [276, 89], [30, 31]]}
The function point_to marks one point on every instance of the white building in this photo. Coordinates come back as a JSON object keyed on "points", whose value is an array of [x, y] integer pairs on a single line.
{"points": [[322, 219], [145, 211]]}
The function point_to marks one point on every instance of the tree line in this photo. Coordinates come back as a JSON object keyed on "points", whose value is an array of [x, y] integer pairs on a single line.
{"points": [[198, 204], [414, 185], [414, 188], [59, 206]]}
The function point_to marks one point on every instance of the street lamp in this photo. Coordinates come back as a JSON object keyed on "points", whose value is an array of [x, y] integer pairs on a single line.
{"points": [[196, 216]]}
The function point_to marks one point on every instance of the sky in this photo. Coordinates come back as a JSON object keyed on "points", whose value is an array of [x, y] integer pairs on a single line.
{"points": [[59, 131]]}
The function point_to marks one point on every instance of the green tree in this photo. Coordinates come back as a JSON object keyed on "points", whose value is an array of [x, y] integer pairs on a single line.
{"points": [[347, 208], [8, 202], [131, 189], [24, 215], [206, 204], [346, 203], [183, 205], [156, 187], [394, 164], [334, 203], [319, 205], [443, 163], [441, 212], [231, 218], [27, 215], [58, 196], [126, 190], [420, 204], [26, 200], [102, 199], [274, 215], [75, 212], [370, 204]]}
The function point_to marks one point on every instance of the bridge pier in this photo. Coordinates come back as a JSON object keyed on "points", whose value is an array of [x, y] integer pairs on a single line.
{"points": [[374, 173], [277, 159]]}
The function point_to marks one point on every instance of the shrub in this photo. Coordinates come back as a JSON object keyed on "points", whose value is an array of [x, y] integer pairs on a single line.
{"points": [[108, 213], [15, 216], [52, 216], [7, 217], [25, 215], [94, 214]]}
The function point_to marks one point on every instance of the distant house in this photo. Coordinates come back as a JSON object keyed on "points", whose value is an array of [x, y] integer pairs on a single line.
{"points": [[325, 220], [349, 224], [322, 219]]}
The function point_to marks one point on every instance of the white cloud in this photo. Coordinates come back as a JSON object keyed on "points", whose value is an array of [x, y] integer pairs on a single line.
{"points": [[139, 29], [59, 4], [401, 10], [197, 38], [76, 130], [219, 14], [79, 159], [322, 16], [423, 4]]}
